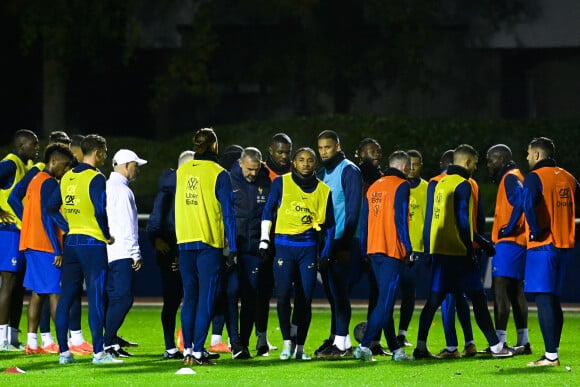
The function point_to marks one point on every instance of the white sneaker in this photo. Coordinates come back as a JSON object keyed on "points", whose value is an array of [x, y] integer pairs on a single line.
{"points": [[106, 359], [67, 359], [364, 354], [286, 352], [402, 356]]}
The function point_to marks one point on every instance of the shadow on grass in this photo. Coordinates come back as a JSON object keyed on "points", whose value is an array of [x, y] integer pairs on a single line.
{"points": [[154, 364], [526, 371]]}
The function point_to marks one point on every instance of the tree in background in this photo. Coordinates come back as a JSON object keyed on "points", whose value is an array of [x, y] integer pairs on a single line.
{"points": [[72, 33], [299, 57]]}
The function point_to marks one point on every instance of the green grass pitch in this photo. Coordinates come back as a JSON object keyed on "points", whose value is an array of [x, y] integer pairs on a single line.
{"points": [[147, 368]]}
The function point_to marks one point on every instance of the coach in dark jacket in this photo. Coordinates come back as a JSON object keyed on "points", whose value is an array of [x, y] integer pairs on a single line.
{"points": [[251, 186]]}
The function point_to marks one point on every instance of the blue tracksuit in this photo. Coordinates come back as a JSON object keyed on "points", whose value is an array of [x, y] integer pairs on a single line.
{"points": [[296, 258], [345, 181]]}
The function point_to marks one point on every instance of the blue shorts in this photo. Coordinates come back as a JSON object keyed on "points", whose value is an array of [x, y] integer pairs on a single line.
{"points": [[41, 275], [546, 269], [11, 259], [453, 274], [509, 261]]}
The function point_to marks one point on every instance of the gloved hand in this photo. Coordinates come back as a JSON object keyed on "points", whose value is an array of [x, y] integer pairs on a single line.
{"points": [[488, 247], [265, 251], [231, 262]]}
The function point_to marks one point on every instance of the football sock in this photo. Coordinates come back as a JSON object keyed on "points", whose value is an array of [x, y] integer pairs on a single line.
{"points": [[197, 355], [501, 335], [171, 351], [402, 332], [551, 356], [76, 337], [347, 342], [299, 349], [3, 332], [67, 353], [339, 342], [399, 350], [451, 348], [13, 336], [496, 348], [46, 339], [32, 341], [216, 339], [523, 338]]}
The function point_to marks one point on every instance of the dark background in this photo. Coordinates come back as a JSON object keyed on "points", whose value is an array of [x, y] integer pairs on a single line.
{"points": [[156, 69]]}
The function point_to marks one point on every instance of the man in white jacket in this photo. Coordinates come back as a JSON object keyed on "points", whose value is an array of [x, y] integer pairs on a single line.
{"points": [[124, 255]]}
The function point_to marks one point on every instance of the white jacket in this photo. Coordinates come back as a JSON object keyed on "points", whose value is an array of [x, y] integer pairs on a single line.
{"points": [[122, 214]]}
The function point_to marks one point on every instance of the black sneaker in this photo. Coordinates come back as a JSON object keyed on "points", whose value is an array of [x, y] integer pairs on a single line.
{"points": [[332, 352], [240, 352], [245, 354], [264, 350], [525, 349], [123, 353], [113, 352], [402, 339], [379, 350], [203, 360], [171, 356], [125, 343], [503, 353], [327, 343], [210, 355], [419, 354]]}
